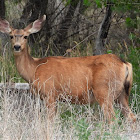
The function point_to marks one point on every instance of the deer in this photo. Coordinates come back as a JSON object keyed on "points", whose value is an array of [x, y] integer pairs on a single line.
{"points": [[105, 79]]}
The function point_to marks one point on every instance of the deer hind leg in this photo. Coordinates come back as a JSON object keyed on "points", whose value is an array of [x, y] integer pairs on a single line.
{"points": [[107, 107], [106, 102], [125, 109]]}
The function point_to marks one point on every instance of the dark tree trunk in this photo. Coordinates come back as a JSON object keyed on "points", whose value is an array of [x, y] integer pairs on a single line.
{"points": [[2, 9], [3, 40], [64, 27], [33, 9], [103, 31]]}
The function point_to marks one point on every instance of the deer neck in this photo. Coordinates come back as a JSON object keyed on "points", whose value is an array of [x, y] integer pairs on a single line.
{"points": [[25, 65]]}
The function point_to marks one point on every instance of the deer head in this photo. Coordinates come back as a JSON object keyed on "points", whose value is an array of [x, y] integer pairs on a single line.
{"points": [[19, 36]]}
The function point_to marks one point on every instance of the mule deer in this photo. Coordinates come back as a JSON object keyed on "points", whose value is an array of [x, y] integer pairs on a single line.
{"points": [[104, 78]]}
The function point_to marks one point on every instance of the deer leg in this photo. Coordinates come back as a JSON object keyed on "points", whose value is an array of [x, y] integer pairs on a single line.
{"points": [[106, 103], [51, 107], [125, 109], [108, 110], [51, 111]]}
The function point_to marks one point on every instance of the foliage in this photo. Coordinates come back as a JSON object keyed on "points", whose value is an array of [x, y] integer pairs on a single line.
{"points": [[82, 127], [134, 58], [121, 6]]}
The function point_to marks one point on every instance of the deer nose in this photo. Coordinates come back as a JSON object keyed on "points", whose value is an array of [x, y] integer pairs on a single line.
{"points": [[17, 48]]}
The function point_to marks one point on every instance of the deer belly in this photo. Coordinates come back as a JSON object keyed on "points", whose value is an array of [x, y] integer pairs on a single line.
{"points": [[75, 91]]}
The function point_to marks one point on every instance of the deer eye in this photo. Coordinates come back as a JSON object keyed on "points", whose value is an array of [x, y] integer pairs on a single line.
{"points": [[11, 36], [25, 37]]}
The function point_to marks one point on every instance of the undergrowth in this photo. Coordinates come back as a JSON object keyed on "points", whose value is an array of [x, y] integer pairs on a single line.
{"points": [[24, 117]]}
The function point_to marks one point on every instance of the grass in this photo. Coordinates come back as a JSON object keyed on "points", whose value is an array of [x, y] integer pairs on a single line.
{"points": [[24, 117]]}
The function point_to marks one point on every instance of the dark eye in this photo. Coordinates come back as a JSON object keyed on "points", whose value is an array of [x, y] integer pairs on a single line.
{"points": [[11, 36], [25, 37]]}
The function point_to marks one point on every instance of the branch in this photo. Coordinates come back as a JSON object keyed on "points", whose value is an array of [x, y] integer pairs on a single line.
{"points": [[2, 9], [103, 31]]}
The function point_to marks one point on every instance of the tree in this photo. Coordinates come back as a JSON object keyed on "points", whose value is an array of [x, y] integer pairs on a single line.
{"points": [[123, 6], [2, 9], [65, 25], [103, 30]]}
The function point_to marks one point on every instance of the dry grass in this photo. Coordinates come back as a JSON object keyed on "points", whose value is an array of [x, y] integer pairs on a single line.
{"points": [[23, 117]]}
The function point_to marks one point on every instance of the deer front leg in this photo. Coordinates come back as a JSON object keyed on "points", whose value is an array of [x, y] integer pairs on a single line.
{"points": [[51, 111], [51, 108]]}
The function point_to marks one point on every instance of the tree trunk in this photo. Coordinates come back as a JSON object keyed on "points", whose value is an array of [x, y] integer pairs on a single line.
{"points": [[103, 31], [3, 39], [64, 27], [2, 9]]}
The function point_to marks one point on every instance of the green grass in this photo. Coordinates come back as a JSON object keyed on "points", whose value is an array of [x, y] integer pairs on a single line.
{"points": [[134, 58]]}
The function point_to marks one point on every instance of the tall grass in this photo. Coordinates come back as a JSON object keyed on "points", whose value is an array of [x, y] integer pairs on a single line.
{"points": [[23, 117]]}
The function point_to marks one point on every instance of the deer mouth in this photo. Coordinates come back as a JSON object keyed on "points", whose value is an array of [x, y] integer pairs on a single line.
{"points": [[17, 50]]}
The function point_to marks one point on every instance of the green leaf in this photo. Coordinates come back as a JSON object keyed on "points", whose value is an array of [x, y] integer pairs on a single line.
{"points": [[131, 36], [67, 2], [128, 21], [86, 2], [109, 51], [99, 4]]}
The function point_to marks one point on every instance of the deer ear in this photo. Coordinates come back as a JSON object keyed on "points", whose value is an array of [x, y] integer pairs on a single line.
{"points": [[5, 26], [36, 25]]}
